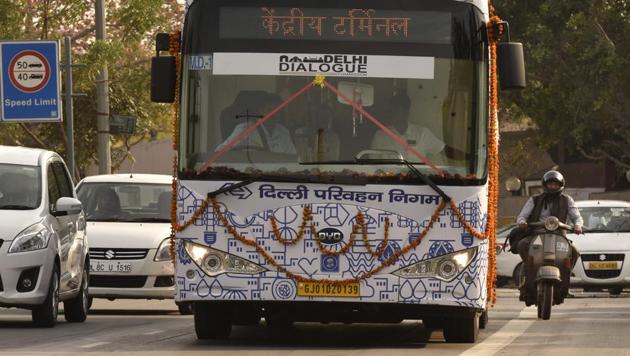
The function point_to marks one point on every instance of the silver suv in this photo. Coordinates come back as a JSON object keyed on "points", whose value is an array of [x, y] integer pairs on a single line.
{"points": [[43, 245]]}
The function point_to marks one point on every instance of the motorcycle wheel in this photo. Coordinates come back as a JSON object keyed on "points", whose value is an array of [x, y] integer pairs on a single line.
{"points": [[545, 300]]}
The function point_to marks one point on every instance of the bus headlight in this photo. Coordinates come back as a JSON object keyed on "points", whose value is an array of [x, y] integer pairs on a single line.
{"points": [[444, 267], [214, 262]]}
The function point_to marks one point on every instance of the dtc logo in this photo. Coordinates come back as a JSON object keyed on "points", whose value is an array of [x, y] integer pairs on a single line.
{"points": [[330, 236]]}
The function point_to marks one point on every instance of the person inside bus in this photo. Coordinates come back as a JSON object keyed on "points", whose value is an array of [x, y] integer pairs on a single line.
{"points": [[552, 202], [271, 136], [396, 118]]}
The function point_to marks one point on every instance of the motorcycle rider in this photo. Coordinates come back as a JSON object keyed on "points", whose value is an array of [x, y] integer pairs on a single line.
{"points": [[539, 207]]}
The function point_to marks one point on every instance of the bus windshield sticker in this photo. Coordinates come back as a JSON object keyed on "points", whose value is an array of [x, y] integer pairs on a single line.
{"points": [[363, 25], [332, 65], [201, 62]]}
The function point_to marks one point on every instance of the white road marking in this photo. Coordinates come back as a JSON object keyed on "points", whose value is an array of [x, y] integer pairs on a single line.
{"points": [[89, 346], [504, 336], [153, 332]]}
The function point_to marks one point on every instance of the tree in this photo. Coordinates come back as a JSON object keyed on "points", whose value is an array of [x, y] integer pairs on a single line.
{"points": [[131, 27], [578, 70]]}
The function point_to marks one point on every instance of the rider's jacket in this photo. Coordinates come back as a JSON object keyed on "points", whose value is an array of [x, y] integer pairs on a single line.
{"points": [[541, 206]]}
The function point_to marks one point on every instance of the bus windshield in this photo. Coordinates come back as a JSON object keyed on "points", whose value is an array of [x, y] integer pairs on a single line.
{"points": [[302, 91]]}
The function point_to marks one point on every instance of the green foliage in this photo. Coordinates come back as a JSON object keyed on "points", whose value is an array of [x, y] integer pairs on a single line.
{"points": [[131, 28], [578, 68]]}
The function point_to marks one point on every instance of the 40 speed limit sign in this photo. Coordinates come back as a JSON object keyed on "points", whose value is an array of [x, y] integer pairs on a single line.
{"points": [[29, 81]]}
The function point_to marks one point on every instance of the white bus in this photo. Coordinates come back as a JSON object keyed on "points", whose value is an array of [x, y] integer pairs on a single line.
{"points": [[333, 161]]}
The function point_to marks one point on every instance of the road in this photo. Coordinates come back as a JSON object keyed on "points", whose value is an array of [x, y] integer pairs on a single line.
{"points": [[588, 324]]}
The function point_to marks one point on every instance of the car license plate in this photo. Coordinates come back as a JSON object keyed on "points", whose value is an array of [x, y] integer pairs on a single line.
{"points": [[320, 289], [110, 266], [602, 265]]}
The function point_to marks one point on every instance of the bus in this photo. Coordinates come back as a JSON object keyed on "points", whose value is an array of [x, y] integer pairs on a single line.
{"points": [[335, 160]]}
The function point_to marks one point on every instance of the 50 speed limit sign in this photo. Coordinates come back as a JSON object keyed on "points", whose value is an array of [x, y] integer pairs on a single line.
{"points": [[29, 81]]}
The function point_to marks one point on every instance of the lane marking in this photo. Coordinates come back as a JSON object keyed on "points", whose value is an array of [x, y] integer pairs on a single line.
{"points": [[506, 335], [89, 346], [153, 332]]}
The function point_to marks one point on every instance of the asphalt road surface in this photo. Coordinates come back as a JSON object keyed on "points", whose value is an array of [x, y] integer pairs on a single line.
{"points": [[589, 324]]}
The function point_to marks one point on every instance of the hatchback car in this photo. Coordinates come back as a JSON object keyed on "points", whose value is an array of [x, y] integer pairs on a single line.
{"points": [[43, 244], [128, 216], [604, 247]]}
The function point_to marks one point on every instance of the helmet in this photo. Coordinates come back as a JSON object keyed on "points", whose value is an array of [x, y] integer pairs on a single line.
{"points": [[553, 176]]}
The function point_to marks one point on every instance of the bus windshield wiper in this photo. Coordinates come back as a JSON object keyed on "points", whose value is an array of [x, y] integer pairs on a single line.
{"points": [[412, 169], [350, 180]]}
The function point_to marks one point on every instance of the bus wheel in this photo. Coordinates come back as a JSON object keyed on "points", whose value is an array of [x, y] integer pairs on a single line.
{"points": [[483, 319], [212, 321], [462, 330]]}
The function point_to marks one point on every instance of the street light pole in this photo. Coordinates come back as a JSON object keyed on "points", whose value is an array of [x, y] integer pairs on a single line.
{"points": [[102, 100]]}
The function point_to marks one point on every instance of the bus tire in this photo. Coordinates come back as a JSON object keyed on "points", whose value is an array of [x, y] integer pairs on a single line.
{"points": [[212, 321], [483, 319], [185, 308], [462, 330]]}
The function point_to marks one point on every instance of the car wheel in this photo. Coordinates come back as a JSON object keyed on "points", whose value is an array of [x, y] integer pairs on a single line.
{"points": [[45, 315], [615, 291], [75, 310]]}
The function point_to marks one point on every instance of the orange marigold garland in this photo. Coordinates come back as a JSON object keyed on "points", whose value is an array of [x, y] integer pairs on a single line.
{"points": [[390, 260], [306, 217], [494, 33], [175, 50]]}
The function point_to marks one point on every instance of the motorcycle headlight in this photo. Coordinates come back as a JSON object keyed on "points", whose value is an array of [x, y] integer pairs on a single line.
{"points": [[34, 237], [214, 262], [164, 251], [444, 267], [552, 223]]}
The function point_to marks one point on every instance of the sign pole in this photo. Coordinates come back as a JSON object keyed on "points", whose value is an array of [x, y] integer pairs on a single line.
{"points": [[68, 103], [102, 100]]}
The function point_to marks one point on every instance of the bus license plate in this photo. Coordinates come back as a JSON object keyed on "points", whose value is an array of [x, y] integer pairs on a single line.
{"points": [[110, 267], [319, 289], [602, 265]]}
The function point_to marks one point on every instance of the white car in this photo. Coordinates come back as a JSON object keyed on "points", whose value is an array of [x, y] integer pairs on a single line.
{"points": [[508, 263], [128, 216], [43, 244], [604, 247]]}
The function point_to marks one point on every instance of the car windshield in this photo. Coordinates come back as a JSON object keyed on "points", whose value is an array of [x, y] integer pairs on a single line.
{"points": [[127, 202], [20, 187], [606, 218]]}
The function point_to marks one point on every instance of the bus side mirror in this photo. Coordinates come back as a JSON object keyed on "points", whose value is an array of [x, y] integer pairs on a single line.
{"points": [[163, 79], [511, 65], [163, 72]]}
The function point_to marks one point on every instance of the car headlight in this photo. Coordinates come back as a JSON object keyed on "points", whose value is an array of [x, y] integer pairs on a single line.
{"points": [[444, 267], [34, 237], [214, 262], [552, 223], [164, 251]]}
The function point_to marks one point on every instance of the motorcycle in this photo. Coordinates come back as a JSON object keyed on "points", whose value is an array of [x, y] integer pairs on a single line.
{"points": [[548, 266]]}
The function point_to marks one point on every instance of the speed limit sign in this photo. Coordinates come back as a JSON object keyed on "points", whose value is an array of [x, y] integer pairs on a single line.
{"points": [[29, 81], [29, 71]]}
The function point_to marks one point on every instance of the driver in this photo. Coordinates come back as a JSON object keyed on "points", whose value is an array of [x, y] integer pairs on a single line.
{"points": [[539, 207], [271, 136], [420, 138]]}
